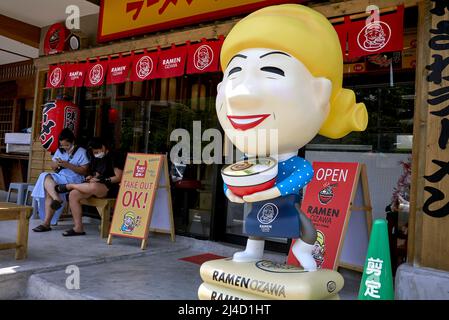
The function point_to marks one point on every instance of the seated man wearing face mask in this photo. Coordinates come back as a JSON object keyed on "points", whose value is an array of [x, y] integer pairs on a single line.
{"points": [[106, 168]]}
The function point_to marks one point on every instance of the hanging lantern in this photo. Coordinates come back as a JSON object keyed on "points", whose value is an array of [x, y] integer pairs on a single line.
{"points": [[57, 115], [112, 115]]}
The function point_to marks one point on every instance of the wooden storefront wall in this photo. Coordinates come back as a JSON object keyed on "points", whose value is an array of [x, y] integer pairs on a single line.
{"points": [[429, 218]]}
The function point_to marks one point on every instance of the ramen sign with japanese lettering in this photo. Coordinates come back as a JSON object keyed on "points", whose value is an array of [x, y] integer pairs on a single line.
{"points": [[125, 18]]}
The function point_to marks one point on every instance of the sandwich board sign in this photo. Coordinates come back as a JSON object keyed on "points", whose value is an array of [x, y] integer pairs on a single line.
{"points": [[144, 199], [337, 201]]}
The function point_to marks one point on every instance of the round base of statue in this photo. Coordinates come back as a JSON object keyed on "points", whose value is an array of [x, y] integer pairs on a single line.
{"points": [[225, 279]]}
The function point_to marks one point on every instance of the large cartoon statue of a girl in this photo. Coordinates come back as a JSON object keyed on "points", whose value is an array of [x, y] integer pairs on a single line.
{"points": [[283, 70]]}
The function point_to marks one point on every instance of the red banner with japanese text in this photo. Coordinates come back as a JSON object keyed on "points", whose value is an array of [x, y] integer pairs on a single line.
{"points": [[126, 18], [118, 70], [75, 75], [172, 62], [204, 57], [95, 73], [56, 75], [368, 36], [326, 202], [144, 66]]}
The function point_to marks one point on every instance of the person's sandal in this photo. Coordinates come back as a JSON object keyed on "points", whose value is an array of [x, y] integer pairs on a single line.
{"points": [[42, 228], [55, 204], [71, 233], [61, 188]]}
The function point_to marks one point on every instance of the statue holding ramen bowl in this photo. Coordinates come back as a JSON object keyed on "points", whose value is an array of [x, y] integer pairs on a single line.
{"points": [[283, 71]]}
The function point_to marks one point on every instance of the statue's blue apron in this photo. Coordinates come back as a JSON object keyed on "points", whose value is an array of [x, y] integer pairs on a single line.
{"points": [[273, 218]]}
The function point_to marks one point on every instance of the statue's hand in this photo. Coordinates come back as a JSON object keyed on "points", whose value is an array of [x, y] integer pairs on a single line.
{"points": [[233, 198], [262, 195]]}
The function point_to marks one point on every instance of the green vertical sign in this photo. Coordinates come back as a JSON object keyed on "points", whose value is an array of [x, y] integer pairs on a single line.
{"points": [[377, 278]]}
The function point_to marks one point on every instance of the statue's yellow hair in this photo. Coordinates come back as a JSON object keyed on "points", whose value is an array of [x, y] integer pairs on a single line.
{"points": [[310, 37]]}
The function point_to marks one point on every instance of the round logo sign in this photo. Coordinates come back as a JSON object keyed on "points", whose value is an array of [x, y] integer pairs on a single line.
{"points": [[144, 67], [203, 57], [331, 286], [268, 213], [55, 37], [275, 267], [96, 74], [56, 77], [374, 36]]}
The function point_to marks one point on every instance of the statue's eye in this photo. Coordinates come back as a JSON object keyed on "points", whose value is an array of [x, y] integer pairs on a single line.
{"points": [[234, 70], [273, 70]]}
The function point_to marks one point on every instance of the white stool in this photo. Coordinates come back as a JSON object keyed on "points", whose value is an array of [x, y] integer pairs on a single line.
{"points": [[28, 193], [21, 188]]}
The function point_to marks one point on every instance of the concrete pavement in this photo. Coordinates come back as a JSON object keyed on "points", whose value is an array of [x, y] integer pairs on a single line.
{"points": [[118, 271]]}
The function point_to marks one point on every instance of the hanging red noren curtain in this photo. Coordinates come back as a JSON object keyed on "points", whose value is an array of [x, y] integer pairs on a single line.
{"points": [[204, 57], [172, 62], [367, 37], [56, 76], [144, 66], [95, 73], [75, 75], [118, 70]]}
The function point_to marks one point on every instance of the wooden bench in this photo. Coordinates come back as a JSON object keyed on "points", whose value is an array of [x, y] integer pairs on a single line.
{"points": [[12, 211], [104, 207]]}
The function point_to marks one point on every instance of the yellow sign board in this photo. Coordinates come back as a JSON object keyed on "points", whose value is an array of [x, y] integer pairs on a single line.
{"points": [[140, 189], [126, 18]]}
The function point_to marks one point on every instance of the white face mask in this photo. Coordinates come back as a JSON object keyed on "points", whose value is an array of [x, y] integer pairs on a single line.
{"points": [[99, 155]]}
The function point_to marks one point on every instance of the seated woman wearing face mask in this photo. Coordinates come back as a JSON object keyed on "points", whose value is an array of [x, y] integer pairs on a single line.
{"points": [[70, 164], [106, 170]]}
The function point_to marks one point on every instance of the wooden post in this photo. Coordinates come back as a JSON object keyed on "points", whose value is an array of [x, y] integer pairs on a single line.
{"points": [[362, 176], [429, 206], [144, 244], [366, 198], [22, 234], [170, 207]]}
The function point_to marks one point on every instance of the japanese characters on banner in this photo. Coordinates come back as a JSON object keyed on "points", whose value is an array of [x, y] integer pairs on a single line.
{"points": [[125, 18], [57, 115], [172, 62], [326, 202], [204, 56], [144, 66], [95, 73], [118, 70]]}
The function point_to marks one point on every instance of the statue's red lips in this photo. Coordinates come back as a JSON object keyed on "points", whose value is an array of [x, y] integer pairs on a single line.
{"points": [[247, 122]]}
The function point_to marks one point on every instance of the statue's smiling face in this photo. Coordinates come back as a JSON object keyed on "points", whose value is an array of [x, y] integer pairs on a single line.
{"points": [[266, 89]]}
